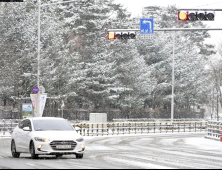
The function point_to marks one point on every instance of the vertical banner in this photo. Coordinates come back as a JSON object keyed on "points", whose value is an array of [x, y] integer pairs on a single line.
{"points": [[42, 103], [27, 110], [34, 103]]}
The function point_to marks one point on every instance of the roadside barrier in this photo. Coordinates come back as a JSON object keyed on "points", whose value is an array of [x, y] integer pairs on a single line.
{"points": [[158, 120], [121, 128], [117, 128], [7, 125], [214, 128], [221, 135]]}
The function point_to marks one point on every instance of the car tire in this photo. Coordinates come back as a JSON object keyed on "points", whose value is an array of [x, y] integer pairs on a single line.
{"points": [[59, 155], [79, 156], [32, 151], [13, 150]]}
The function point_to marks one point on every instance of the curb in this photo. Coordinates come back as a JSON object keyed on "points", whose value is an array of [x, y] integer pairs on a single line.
{"points": [[213, 138]]}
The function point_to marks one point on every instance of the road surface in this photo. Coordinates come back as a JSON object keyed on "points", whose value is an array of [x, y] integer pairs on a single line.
{"points": [[156, 151]]}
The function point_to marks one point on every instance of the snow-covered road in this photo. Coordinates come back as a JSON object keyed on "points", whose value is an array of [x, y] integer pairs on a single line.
{"points": [[179, 150]]}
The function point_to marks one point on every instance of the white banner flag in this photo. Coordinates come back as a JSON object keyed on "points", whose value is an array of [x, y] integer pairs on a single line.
{"points": [[42, 103], [34, 103]]}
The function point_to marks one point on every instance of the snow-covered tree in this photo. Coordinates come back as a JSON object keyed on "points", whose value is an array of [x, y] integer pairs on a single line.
{"points": [[82, 67]]}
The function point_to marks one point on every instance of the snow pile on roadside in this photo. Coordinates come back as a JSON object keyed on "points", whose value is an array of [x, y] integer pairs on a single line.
{"points": [[6, 135], [204, 143]]}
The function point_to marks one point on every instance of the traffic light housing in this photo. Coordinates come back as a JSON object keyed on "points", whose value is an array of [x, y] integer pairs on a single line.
{"points": [[196, 15], [121, 35]]}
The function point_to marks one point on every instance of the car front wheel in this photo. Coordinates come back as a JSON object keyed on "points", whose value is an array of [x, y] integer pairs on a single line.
{"points": [[13, 150], [32, 151], [59, 155], [79, 156]]}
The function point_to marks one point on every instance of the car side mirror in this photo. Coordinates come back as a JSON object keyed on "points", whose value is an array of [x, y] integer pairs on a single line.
{"points": [[26, 129]]}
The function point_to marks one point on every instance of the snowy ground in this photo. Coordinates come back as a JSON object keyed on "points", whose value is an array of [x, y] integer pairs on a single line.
{"points": [[146, 151], [205, 144], [6, 135]]}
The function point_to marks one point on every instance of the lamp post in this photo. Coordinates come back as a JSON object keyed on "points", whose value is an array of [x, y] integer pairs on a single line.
{"points": [[38, 72], [39, 48]]}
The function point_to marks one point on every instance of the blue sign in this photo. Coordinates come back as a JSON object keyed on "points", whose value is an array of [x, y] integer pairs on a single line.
{"points": [[146, 26], [35, 89]]}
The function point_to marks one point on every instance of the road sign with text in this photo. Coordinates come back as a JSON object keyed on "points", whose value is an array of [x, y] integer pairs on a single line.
{"points": [[146, 26]]}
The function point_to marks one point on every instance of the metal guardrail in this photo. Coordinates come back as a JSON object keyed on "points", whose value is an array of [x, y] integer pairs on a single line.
{"points": [[157, 120], [213, 129], [116, 128], [7, 126]]}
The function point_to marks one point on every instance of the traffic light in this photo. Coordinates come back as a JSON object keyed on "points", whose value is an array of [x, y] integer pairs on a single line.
{"points": [[121, 35], [111, 35], [196, 15]]}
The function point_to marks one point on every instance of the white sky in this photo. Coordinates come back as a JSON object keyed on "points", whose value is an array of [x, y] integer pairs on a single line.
{"points": [[135, 7]]}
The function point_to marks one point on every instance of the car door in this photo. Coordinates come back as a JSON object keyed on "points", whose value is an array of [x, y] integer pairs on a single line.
{"points": [[26, 136], [19, 136]]}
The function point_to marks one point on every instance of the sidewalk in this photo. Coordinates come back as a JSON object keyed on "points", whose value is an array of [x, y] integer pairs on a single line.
{"points": [[7, 135]]}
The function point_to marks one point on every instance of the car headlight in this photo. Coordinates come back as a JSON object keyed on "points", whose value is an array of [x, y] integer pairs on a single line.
{"points": [[41, 139], [80, 140]]}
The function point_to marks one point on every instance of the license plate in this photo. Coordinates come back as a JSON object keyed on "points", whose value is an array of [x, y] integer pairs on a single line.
{"points": [[63, 146]]}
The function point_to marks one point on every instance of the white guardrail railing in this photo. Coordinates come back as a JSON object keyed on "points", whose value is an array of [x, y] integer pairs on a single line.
{"points": [[157, 120], [7, 126], [116, 128], [214, 129]]}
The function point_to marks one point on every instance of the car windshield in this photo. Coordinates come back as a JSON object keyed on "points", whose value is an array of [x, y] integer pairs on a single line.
{"points": [[52, 124]]}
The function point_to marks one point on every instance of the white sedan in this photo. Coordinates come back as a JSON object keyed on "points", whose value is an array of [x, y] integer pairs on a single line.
{"points": [[46, 136]]}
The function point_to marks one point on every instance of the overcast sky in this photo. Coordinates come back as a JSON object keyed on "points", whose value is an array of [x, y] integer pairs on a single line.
{"points": [[135, 7]]}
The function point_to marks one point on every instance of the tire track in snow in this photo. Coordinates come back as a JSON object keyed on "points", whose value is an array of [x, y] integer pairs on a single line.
{"points": [[185, 156]]}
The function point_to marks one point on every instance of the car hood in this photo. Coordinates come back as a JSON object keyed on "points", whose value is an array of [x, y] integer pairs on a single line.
{"points": [[57, 135]]}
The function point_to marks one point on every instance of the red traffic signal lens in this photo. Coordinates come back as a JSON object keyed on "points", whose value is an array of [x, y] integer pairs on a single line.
{"points": [[182, 16], [111, 35]]}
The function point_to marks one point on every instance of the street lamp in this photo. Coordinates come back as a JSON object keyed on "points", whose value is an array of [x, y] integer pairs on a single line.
{"points": [[38, 58], [173, 78]]}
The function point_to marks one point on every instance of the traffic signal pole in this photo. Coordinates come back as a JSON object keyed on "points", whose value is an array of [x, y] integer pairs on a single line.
{"points": [[169, 29], [174, 32], [199, 9]]}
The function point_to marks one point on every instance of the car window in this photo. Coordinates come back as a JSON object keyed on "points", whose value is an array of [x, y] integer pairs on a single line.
{"points": [[21, 124], [52, 124], [25, 123]]}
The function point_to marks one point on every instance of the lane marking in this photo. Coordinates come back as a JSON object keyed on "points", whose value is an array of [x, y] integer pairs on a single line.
{"points": [[30, 164], [78, 166]]}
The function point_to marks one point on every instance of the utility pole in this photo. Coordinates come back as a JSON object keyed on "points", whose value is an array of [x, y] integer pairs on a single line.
{"points": [[39, 48]]}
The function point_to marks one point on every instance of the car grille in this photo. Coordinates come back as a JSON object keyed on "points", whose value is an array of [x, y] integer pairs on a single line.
{"points": [[54, 145]]}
